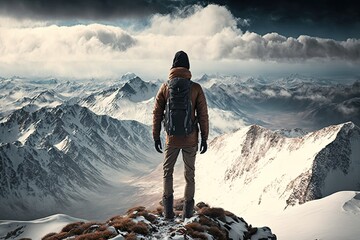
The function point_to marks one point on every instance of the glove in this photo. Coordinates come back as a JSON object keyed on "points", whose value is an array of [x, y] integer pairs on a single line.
{"points": [[203, 146], [158, 146]]}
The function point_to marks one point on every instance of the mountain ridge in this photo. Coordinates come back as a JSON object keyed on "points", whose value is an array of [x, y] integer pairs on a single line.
{"points": [[51, 152], [245, 162]]}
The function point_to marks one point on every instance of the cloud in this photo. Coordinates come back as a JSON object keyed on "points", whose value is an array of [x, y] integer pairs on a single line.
{"points": [[338, 20], [91, 9], [210, 35], [51, 43]]}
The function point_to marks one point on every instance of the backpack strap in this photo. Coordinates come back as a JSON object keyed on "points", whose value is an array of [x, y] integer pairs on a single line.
{"points": [[196, 120], [190, 102]]}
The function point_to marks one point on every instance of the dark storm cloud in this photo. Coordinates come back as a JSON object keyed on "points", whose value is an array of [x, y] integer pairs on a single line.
{"points": [[89, 9], [321, 18], [339, 12]]}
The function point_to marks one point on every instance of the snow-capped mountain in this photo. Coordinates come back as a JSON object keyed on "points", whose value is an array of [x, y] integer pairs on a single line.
{"points": [[17, 92], [291, 102], [128, 76], [52, 156], [292, 133], [57, 155], [267, 170], [131, 100]]}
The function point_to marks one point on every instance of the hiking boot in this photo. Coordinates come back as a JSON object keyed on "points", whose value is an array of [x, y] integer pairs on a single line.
{"points": [[168, 207], [188, 209]]}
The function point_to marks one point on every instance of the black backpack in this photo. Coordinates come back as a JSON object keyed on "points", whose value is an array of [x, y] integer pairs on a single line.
{"points": [[178, 109]]}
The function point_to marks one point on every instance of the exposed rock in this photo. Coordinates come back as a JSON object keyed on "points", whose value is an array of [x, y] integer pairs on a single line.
{"points": [[139, 223]]}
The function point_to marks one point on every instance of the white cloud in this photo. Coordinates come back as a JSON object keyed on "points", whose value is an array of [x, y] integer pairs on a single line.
{"points": [[50, 43], [346, 110], [207, 21], [210, 35], [269, 93], [8, 22], [284, 93]]}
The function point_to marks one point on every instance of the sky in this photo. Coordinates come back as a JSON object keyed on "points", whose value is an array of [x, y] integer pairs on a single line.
{"points": [[105, 39]]}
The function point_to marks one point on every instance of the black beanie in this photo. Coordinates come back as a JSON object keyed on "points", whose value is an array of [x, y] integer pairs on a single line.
{"points": [[181, 60]]}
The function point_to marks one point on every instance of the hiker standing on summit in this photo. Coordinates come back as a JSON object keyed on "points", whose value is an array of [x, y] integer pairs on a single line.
{"points": [[181, 103]]}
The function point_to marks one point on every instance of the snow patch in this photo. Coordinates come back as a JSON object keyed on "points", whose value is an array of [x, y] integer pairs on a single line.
{"points": [[63, 145], [26, 133]]}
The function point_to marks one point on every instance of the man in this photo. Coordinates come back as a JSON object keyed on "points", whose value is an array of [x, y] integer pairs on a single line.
{"points": [[188, 144]]}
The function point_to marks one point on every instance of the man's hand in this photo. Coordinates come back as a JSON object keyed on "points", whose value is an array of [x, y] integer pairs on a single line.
{"points": [[203, 146], [158, 146]]}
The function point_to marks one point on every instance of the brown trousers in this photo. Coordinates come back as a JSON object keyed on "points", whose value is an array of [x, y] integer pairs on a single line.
{"points": [[189, 155]]}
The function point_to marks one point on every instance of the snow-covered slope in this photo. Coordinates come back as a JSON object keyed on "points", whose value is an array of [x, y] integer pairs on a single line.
{"points": [[290, 102], [132, 100], [17, 92], [54, 156], [291, 133], [34, 229], [267, 170], [333, 217]]}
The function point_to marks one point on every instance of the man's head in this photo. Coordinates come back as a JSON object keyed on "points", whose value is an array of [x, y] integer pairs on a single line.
{"points": [[181, 60]]}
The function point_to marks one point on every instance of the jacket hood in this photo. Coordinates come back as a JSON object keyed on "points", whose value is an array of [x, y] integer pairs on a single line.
{"points": [[181, 60]]}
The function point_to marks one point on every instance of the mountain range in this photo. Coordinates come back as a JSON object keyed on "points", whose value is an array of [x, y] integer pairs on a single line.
{"points": [[85, 146], [54, 156], [293, 101]]}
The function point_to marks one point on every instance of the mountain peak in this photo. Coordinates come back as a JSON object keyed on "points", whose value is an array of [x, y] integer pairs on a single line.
{"points": [[68, 147], [261, 164], [348, 126], [128, 76]]}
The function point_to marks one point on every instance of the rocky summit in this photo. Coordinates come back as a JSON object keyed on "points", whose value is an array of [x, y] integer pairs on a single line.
{"points": [[140, 223]]}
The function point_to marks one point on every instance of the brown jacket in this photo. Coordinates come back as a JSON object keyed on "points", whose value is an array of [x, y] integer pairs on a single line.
{"points": [[199, 110]]}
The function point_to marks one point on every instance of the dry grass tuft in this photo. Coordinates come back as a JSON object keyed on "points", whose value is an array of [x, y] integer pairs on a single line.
{"points": [[213, 213], [115, 218], [140, 228], [141, 211], [96, 236], [195, 226], [205, 221], [71, 226], [229, 214], [135, 209], [201, 205], [48, 236], [84, 228], [131, 236], [58, 236], [217, 233], [197, 235], [123, 224]]}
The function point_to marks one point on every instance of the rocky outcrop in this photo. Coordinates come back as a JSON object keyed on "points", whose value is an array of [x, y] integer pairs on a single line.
{"points": [[139, 223]]}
